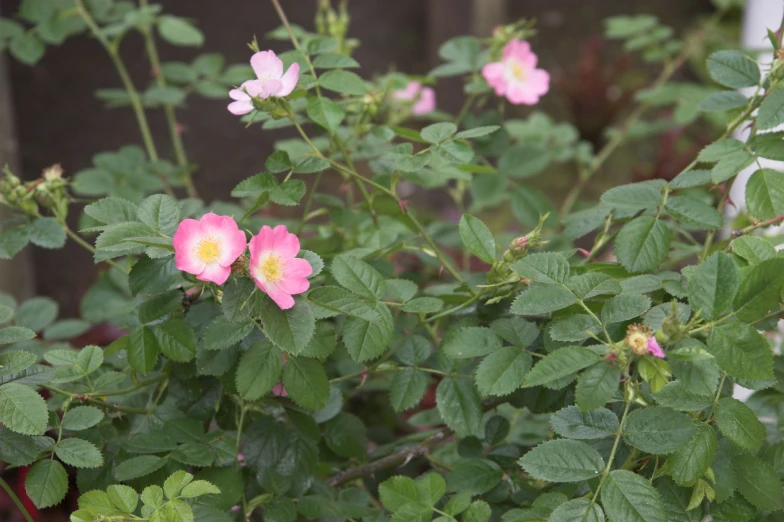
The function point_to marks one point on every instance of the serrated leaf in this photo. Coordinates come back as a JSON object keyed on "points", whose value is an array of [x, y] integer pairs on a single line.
{"points": [[658, 430], [694, 212], [502, 372], [15, 334], [771, 110], [222, 333], [81, 418], [741, 351], [142, 349], [570, 422], [124, 498], [559, 364], [366, 340], [346, 435], [691, 461], [474, 476], [739, 424], [563, 460], [593, 284], [47, 233], [136, 467], [470, 341], [258, 371], [199, 488], [459, 405], [580, 509], [477, 238], [713, 284], [624, 307], [642, 244], [723, 101], [733, 69], [22, 409], [359, 277], [757, 482], [176, 340], [633, 197], [338, 300], [290, 330], [765, 193], [575, 327], [438, 132], [344, 82], [541, 298], [627, 497], [325, 112], [423, 305], [546, 267], [407, 388], [46, 483], [398, 491], [306, 382], [78, 453], [759, 290]]}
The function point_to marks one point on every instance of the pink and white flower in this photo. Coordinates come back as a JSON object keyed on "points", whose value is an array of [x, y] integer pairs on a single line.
{"points": [[654, 348], [274, 265], [270, 81], [207, 248], [424, 98], [516, 75]]}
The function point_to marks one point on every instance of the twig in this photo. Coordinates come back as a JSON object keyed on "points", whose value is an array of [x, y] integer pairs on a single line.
{"points": [[15, 498]]}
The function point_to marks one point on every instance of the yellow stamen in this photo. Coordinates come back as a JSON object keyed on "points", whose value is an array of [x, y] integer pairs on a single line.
{"points": [[272, 268], [517, 70], [208, 250]]}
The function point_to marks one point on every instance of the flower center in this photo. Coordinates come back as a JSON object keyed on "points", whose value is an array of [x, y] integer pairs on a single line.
{"points": [[208, 250], [517, 70], [272, 268]]}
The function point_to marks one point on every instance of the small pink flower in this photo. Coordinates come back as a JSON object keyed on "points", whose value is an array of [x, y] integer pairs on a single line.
{"points": [[270, 82], [424, 98], [654, 348], [279, 390], [206, 248], [274, 265], [516, 75]]}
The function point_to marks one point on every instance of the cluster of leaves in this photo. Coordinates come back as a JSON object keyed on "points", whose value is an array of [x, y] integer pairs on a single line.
{"points": [[435, 369]]}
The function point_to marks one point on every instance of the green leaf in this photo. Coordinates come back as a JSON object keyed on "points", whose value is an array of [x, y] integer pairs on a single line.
{"points": [[576, 327], [222, 333], [438, 132], [753, 250], [559, 364], [757, 482], [177, 31], [723, 101], [713, 284], [290, 330], [258, 371], [593, 284], [624, 307], [46, 483], [680, 395], [346, 435], [398, 491], [733, 69], [478, 511], [691, 461], [78, 453], [578, 509], [541, 298], [459, 405], [423, 305], [334, 61], [16, 449], [325, 112], [474, 476], [658, 430], [176, 481], [694, 212], [741, 351], [151, 276], [477, 132], [124, 498], [765, 193], [6, 313], [81, 418], [407, 388], [142, 349], [545, 267], [199, 488], [633, 197], [627, 497], [431, 488], [15, 334], [306, 382], [160, 305], [739, 424], [160, 212], [136, 467], [676, 500], [176, 340], [27, 48], [47, 233], [359, 277], [338, 300], [759, 290], [523, 160], [22, 409], [477, 238], [310, 164], [771, 110], [502, 372], [66, 329], [563, 460], [570, 422], [642, 244], [730, 165], [344, 82], [366, 340], [470, 341]]}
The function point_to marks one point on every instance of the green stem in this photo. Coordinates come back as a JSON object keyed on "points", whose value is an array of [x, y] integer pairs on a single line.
{"points": [[16, 500], [124, 391], [243, 410], [97, 402], [457, 308], [87, 246], [168, 109], [309, 202], [295, 42], [716, 398], [709, 239]]}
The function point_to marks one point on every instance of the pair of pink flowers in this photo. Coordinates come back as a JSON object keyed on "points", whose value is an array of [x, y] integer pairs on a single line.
{"points": [[423, 98], [516, 75], [208, 247], [270, 81]]}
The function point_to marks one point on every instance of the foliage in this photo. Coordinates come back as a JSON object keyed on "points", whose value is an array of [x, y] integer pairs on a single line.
{"points": [[434, 369]]}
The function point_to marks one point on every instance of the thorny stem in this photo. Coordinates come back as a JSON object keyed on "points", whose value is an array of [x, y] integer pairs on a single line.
{"points": [[168, 110], [17, 501], [97, 402]]}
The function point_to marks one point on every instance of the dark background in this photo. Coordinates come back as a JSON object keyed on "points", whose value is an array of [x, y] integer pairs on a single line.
{"points": [[58, 120]]}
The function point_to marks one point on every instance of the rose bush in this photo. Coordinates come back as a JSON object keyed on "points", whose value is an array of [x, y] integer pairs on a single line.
{"points": [[365, 358]]}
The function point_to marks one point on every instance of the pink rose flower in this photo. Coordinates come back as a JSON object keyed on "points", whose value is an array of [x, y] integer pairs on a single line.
{"points": [[654, 348], [516, 75], [424, 98], [206, 248], [274, 265], [270, 82]]}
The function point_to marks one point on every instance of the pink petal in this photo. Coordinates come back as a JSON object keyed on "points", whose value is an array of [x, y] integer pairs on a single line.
{"points": [[266, 65], [540, 81], [269, 88], [254, 88], [281, 298], [519, 49], [289, 80], [215, 273], [226, 231], [520, 93], [298, 268], [294, 285], [426, 103], [239, 95], [189, 232], [285, 244], [654, 348], [494, 74], [409, 93], [239, 108], [260, 243]]}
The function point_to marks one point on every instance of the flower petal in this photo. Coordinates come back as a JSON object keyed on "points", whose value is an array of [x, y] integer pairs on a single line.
{"points": [[238, 108], [269, 88], [289, 80], [281, 298], [494, 74], [226, 231], [426, 102], [297, 268], [239, 95], [189, 232], [285, 244], [215, 273], [266, 65]]}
